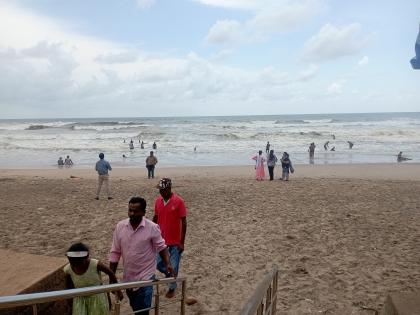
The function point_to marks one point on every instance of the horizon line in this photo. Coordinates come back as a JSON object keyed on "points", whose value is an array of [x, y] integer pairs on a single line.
{"points": [[205, 116]]}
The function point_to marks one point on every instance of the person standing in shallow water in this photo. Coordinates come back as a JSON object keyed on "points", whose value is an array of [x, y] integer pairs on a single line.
{"points": [[271, 163], [259, 165], [267, 147], [154, 146]]}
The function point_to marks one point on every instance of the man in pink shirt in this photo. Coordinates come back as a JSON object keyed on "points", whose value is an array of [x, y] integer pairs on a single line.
{"points": [[137, 240], [171, 216]]}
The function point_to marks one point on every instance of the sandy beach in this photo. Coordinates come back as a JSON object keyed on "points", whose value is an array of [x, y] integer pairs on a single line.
{"points": [[343, 236]]}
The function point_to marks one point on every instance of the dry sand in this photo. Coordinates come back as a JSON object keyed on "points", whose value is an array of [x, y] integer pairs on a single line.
{"points": [[343, 236]]}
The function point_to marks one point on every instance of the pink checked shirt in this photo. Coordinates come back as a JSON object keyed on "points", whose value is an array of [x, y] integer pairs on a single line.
{"points": [[138, 248]]}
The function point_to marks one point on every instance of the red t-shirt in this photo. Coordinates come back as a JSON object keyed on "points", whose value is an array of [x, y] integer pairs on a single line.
{"points": [[169, 218]]}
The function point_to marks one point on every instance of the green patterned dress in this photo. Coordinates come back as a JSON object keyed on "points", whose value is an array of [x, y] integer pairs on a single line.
{"points": [[88, 305]]}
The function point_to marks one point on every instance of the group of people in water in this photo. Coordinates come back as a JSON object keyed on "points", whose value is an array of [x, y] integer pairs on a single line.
{"points": [[131, 144], [271, 159], [66, 162]]}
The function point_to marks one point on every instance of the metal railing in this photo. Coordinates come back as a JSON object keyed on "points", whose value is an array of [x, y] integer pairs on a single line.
{"points": [[32, 299], [264, 299]]}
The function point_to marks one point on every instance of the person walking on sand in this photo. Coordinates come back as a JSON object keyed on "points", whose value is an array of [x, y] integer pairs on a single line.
{"points": [[267, 147], [137, 241], [171, 216], [151, 162], [259, 165], [286, 166], [83, 271], [271, 163], [102, 167]]}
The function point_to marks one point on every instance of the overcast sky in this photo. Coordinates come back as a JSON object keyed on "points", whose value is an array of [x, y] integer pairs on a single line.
{"points": [[140, 58]]}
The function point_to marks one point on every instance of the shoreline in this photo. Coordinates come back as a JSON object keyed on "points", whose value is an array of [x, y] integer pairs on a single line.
{"points": [[383, 171]]}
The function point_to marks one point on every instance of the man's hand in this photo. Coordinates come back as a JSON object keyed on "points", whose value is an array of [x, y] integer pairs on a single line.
{"points": [[181, 248], [171, 270], [119, 295]]}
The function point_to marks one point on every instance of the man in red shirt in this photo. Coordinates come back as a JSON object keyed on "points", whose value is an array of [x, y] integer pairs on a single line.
{"points": [[171, 216]]}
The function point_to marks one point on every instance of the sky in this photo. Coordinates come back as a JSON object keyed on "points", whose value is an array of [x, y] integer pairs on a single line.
{"points": [[142, 58]]}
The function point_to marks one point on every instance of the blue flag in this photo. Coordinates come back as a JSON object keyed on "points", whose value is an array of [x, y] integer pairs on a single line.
{"points": [[415, 62]]}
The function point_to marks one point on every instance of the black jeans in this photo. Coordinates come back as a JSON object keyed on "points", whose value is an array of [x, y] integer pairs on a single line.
{"points": [[271, 172], [150, 171]]}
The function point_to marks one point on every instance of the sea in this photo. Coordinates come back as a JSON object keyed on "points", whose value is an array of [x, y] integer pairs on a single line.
{"points": [[210, 141]]}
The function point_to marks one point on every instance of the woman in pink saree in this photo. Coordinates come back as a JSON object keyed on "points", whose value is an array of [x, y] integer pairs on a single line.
{"points": [[259, 165]]}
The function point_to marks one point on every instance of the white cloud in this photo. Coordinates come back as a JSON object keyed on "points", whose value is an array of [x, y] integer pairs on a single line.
{"points": [[145, 4], [309, 73], [56, 70], [225, 32], [364, 61], [234, 4], [118, 57], [333, 42], [270, 17], [336, 88]]}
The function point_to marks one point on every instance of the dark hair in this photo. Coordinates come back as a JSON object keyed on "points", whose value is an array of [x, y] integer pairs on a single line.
{"points": [[78, 247], [101, 155], [260, 152], [139, 200], [271, 154]]}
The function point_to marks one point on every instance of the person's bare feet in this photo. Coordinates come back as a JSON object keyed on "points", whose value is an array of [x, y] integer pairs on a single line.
{"points": [[170, 294], [190, 301]]}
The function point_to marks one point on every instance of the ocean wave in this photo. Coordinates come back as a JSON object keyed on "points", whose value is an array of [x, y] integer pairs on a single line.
{"points": [[293, 121], [311, 133], [37, 127], [228, 136]]}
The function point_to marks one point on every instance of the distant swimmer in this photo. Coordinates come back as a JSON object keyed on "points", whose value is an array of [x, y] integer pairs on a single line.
{"points": [[332, 149], [68, 161], [312, 150], [124, 156], [142, 145], [333, 136], [124, 141], [351, 144], [154, 145], [326, 145], [401, 158], [195, 149], [267, 147], [60, 161]]}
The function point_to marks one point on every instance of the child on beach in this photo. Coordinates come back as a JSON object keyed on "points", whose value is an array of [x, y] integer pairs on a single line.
{"points": [[287, 167], [82, 271]]}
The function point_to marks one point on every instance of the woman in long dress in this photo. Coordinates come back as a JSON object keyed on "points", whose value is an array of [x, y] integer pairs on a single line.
{"points": [[259, 165]]}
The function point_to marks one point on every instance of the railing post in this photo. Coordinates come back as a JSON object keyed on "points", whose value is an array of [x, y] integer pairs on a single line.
{"points": [[34, 309], [117, 306], [268, 298], [157, 300], [183, 292], [275, 282]]}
